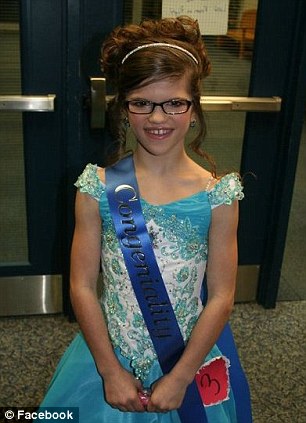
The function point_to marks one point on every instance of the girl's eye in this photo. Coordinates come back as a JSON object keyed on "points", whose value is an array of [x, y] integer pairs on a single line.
{"points": [[176, 103], [141, 103]]}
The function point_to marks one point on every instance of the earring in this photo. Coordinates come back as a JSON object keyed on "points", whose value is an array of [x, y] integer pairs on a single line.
{"points": [[193, 123], [126, 122]]}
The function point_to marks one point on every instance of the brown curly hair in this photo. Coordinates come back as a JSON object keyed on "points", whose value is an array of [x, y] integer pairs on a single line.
{"points": [[146, 66]]}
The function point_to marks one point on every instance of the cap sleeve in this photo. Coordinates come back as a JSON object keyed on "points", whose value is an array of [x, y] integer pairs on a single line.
{"points": [[227, 190], [89, 182]]}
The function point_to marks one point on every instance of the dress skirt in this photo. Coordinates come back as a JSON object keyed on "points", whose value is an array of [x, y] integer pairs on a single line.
{"points": [[76, 383]]}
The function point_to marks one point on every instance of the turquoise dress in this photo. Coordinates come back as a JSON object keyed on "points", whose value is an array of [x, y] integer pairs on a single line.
{"points": [[179, 233]]}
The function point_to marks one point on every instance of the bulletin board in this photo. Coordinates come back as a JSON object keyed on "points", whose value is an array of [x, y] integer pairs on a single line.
{"points": [[212, 15]]}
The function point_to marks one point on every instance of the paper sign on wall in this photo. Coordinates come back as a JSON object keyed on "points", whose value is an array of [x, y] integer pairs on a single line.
{"points": [[212, 15]]}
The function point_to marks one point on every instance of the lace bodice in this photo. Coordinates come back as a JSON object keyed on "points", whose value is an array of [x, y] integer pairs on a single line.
{"points": [[179, 233]]}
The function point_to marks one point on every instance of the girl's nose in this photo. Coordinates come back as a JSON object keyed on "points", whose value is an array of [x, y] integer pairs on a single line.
{"points": [[157, 115]]}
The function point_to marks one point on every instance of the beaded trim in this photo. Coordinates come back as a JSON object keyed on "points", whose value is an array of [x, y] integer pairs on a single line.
{"points": [[159, 45]]}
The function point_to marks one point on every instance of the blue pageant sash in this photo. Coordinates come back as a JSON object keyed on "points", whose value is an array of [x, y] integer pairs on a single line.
{"points": [[123, 197], [146, 279]]}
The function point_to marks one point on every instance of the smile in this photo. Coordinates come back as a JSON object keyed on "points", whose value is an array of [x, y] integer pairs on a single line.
{"points": [[159, 132]]}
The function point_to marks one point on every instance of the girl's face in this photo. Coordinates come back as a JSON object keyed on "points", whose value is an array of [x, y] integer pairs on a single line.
{"points": [[160, 133]]}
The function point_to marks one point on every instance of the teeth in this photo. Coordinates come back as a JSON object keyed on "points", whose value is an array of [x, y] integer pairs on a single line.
{"points": [[158, 131]]}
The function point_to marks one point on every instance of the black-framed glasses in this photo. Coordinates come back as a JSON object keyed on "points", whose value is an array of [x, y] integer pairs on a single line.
{"points": [[175, 106]]}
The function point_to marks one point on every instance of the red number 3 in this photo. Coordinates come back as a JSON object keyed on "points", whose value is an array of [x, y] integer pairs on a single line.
{"points": [[213, 381]]}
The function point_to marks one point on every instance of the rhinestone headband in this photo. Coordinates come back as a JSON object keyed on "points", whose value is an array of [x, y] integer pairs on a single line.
{"points": [[159, 45]]}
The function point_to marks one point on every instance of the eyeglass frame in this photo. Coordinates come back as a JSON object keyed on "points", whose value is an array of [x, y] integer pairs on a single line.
{"points": [[153, 104]]}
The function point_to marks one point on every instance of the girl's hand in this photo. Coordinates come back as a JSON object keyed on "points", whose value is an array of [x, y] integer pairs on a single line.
{"points": [[167, 394], [121, 391]]}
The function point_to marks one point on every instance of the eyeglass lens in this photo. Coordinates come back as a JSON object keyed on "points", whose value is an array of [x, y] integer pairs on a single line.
{"points": [[174, 106]]}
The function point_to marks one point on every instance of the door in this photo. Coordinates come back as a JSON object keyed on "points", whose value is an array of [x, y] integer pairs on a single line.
{"points": [[59, 50], [271, 143], [43, 138], [32, 151]]}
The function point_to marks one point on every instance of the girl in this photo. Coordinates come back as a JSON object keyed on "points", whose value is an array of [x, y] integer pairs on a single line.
{"points": [[191, 216]]}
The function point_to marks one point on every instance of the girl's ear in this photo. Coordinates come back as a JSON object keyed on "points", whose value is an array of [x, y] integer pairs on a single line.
{"points": [[193, 120]]}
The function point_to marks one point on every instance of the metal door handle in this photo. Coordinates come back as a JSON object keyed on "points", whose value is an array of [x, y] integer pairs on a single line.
{"points": [[27, 103], [209, 103], [241, 104]]}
